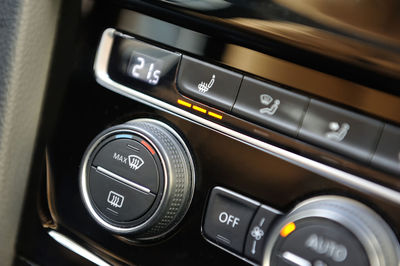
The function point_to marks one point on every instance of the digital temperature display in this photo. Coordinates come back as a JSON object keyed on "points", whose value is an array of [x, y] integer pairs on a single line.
{"points": [[145, 68]]}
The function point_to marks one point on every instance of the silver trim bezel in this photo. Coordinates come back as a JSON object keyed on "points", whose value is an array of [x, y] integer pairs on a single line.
{"points": [[124, 128], [123, 180], [76, 248], [337, 175], [191, 169]]}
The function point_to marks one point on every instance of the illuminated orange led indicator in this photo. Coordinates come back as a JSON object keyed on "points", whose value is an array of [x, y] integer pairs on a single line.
{"points": [[215, 115], [148, 146], [199, 109], [184, 103], [288, 229]]}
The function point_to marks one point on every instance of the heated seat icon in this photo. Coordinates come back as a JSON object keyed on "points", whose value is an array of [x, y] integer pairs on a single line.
{"points": [[204, 86], [115, 199], [266, 100]]}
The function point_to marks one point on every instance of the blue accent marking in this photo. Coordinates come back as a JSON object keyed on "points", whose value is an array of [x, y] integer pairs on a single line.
{"points": [[123, 136]]}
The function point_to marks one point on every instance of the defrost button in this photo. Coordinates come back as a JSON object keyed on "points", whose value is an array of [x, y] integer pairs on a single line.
{"points": [[130, 159]]}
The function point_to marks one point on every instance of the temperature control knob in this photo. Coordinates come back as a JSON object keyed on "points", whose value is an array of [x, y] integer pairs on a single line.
{"points": [[332, 230], [138, 179]]}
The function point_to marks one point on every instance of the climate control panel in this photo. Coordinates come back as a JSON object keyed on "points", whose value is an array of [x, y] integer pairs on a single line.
{"points": [[320, 231], [242, 155]]}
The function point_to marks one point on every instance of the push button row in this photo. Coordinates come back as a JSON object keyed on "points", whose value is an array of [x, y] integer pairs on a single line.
{"points": [[360, 137], [334, 128], [237, 223]]}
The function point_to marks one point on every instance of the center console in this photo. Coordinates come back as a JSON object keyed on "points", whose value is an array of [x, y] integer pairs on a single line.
{"points": [[198, 146]]}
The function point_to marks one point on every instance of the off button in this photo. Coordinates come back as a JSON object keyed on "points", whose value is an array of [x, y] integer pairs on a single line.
{"points": [[227, 218]]}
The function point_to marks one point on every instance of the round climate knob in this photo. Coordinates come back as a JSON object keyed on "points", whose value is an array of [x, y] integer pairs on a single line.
{"points": [[332, 230], [138, 178]]}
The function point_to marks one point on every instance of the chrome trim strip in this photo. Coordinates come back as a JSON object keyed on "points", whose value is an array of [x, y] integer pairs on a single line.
{"points": [[347, 179], [76, 248], [293, 258], [123, 180]]}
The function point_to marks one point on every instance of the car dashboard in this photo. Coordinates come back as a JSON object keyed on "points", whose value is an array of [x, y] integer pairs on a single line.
{"points": [[196, 132]]}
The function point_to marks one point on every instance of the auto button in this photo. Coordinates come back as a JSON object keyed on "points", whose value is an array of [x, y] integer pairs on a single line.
{"points": [[227, 218]]}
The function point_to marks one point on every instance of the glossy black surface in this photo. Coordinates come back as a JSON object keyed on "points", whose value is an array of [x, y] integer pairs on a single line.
{"points": [[363, 32], [54, 203], [213, 44], [264, 177]]}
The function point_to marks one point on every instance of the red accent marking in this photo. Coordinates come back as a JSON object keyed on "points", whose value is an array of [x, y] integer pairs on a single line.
{"points": [[147, 145]]}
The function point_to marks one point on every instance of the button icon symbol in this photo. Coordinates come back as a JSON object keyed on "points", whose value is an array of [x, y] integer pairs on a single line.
{"points": [[135, 162], [266, 99], [115, 199], [257, 233], [228, 219], [337, 132], [204, 87]]}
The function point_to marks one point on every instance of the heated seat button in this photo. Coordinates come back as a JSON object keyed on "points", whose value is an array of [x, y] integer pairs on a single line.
{"points": [[258, 232], [208, 83], [227, 218], [340, 130], [116, 200], [129, 159], [387, 155], [270, 105]]}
